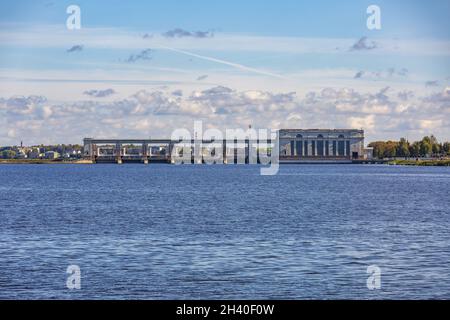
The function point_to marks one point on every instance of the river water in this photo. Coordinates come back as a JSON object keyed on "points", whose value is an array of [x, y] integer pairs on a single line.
{"points": [[224, 231]]}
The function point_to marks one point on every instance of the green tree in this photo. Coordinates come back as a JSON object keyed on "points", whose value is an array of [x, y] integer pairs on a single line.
{"points": [[436, 149], [426, 146], [446, 148], [378, 148], [414, 149], [390, 149], [403, 148], [8, 154]]}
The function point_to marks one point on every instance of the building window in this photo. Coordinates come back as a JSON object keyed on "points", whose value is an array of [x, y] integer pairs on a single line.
{"points": [[348, 148], [313, 147], [334, 148], [306, 148], [341, 147], [299, 148], [320, 148], [327, 148]]}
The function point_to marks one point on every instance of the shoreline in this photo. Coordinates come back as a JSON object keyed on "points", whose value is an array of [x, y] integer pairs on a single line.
{"points": [[44, 161], [421, 163]]}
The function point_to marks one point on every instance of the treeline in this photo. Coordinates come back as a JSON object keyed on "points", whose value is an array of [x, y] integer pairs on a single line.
{"points": [[427, 147]]}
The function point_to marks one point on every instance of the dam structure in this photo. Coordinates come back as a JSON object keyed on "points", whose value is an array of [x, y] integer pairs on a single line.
{"points": [[323, 145], [162, 150], [294, 146]]}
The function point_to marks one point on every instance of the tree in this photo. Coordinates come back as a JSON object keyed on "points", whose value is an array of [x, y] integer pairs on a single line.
{"points": [[426, 146], [390, 149], [414, 149], [429, 145], [8, 154], [378, 148], [446, 148], [436, 149], [433, 140], [403, 148]]}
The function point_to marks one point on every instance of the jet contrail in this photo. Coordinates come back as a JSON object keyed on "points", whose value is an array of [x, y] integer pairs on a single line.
{"points": [[228, 63]]}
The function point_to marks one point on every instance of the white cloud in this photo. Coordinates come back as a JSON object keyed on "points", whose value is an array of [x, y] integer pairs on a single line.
{"points": [[367, 122], [156, 113], [430, 124], [11, 133]]}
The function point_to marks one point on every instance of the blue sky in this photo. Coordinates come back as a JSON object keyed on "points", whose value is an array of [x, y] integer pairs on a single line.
{"points": [[413, 18], [258, 62]]}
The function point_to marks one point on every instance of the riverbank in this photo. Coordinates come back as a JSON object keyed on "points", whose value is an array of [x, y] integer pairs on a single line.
{"points": [[432, 163], [437, 162]]}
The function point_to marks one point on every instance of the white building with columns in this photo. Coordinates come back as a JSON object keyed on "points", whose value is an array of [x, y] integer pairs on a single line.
{"points": [[297, 145]]}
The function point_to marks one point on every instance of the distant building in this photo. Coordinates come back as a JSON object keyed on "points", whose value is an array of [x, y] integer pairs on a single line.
{"points": [[368, 153], [35, 154], [21, 154], [298, 145], [51, 155]]}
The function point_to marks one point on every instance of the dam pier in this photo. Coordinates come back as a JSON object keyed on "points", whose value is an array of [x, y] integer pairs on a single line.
{"points": [[162, 150]]}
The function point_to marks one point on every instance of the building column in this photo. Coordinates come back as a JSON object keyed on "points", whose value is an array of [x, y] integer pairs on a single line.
{"points": [[349, 151], [169, 152], [345, 148], [118, 153], [145, 153], [247, 151], [90, 151], [225, 159]]}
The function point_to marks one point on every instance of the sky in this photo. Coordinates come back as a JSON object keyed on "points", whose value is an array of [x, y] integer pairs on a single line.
{"points": [[139, 69]]}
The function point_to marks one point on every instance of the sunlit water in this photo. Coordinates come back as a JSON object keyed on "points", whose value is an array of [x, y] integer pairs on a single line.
{"points": [[224, 232]]}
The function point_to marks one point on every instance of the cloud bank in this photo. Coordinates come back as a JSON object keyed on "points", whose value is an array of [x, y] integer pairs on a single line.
{"points": [[383, 114]]}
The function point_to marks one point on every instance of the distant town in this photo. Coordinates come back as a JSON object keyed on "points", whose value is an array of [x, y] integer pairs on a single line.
{"points": [[40, 152]]}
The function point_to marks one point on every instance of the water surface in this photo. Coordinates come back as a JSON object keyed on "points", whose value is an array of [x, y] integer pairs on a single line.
{"points": [[224, 232]]}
